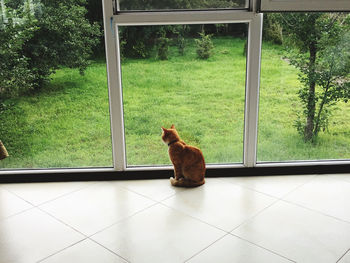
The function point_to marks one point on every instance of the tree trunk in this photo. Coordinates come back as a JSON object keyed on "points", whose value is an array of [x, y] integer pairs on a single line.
{"points": [[311, 103]]}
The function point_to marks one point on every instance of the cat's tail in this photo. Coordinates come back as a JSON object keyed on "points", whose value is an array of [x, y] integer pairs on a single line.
{"points": [[185, 182]]}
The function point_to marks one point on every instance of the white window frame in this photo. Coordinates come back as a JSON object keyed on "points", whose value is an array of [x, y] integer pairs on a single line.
{"points": [[254, 20], [304, 5]]}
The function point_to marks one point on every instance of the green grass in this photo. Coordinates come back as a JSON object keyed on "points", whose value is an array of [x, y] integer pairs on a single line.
{"points": [[64, 125], [204, 99], [67, 123], [278, 139]]}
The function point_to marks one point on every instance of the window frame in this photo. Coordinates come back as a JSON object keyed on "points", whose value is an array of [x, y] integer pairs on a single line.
{"points": [[304, 6], [111, 23], [254, 21]]}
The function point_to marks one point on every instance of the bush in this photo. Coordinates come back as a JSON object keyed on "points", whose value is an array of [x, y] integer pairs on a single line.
{"points": [[35, 44], [204, 46], [15, 73], [138, 41], [181, 44], [272, 30], [163, 48]]}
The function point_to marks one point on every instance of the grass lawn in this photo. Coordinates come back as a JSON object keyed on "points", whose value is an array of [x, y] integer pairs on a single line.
{"points": [[278, 139], [203, 98], [64, 125], [67, 123]]}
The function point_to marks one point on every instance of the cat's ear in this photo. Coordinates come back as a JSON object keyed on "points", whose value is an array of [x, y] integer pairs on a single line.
{"points": [[172, 126], [163, 129]]}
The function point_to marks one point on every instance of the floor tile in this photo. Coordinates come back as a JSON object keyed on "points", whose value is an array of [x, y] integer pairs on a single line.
{"points": [[345, 258], [86, 251], [344, 177], [326, 195], [221, 204], [298, 233], [157, 190], [158, 234], [38, 193], [231, 249], [276, 186], [33, 235], [94, 208], [10, 204]]}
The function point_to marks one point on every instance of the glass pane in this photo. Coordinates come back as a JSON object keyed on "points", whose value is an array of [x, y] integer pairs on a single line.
{"points": [[189, 76], [54, 109], [180, 4], [304, 109]]}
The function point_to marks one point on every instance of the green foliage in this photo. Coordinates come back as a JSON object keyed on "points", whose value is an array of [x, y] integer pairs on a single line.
{"points": [[57, 34], [272, 30], [180, 32], [245, 48], [179, 4], [323, 59], [163, 48], [15, 72], [65, 38], [204, 46], [181, 44], [138, 41]]}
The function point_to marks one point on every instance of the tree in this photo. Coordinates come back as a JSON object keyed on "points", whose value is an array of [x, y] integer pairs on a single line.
{"points": [[65, 38], [322, 57], [15, 73], [40, 37]]}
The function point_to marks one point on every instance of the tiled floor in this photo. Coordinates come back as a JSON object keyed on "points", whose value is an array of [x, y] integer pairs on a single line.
{"points": [[238, 219]]}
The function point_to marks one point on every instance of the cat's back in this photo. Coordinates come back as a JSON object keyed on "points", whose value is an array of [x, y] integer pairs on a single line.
{"points": [[193, 154]]}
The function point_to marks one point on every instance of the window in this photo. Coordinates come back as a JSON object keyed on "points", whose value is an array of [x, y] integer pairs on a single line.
{"points": [[134, 5], [54, 105], [167, 80], [303, 93], [156, 77]]}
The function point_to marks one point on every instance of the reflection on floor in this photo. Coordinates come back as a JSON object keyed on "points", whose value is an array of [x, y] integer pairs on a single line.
{"points": [[240, 219]]}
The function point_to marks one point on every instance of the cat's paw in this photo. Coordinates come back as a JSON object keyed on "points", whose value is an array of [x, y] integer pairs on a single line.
{"points": [[172, 180]]}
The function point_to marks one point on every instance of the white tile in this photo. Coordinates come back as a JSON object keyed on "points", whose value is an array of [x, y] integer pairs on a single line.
{"points": [[232, 249], [86, 251], [326, 195], [297, 233], [38, 193], [276, 186], [10, 204], [94, 208], [157, 190], [33, 235], [344, 177], [345, 258], [221, 204], [158, 234]]}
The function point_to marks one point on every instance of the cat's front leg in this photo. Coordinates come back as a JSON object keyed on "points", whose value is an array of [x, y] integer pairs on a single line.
{"points": [[178, 172]]}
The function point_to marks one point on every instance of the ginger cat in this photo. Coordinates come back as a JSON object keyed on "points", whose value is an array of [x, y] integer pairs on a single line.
{"points": [[188, 161]]}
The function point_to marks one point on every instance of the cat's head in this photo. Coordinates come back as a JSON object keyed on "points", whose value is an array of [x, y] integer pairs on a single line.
{"points": [[169, 135]]}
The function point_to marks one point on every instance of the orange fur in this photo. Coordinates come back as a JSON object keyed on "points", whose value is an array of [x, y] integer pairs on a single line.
{"points": [[188, 161]]}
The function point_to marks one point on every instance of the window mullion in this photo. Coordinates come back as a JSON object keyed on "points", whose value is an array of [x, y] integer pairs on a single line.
{"points": [[183, 17], [252, 91], [114, 87]]}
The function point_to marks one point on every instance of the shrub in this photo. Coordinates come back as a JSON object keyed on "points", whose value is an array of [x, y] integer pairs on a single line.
{"points": [[204, 46], [181, 44], [36, 43], [15, 73], [163, 48]]}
